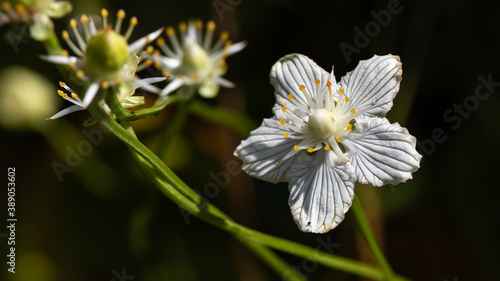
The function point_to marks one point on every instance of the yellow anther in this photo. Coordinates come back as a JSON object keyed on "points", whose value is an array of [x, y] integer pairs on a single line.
{"points": [[222, 63], [73, 95], [149, 62], [317, 81], [150, 49], [133, 21], [224, 35], [228, 43], [341, 90], [285, 135], [105, 85], [61, 93], [79, 74], [182, 26], [346, 99], [170, 31], [310, 150], [157, 64], [64, 96], [73, 23], [72, 64], [62, 84], [199, 24], [290, 96], [84, 19], [156, 53], [349, 127], [180, 77], [283, 109], [296, 147], [282, 122], [64, 53], [118, 80], [327, 147], [165, 73], [20, 8], [104, 13], [65, 35], [353, 111], [148, 40], [6, 5], [210, 75], [160, 41], [211, 25], [339, 139], [328, 84], [225, 54], [121, 14], [195, 77], [302, 87]]}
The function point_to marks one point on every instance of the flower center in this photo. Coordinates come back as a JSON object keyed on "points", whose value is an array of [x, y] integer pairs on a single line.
{"points": [[194, 59], [106, 53], [322, 124]]}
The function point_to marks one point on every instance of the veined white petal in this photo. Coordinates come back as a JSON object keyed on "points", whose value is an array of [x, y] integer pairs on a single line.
{"points": [[67, 111], [172, 86], [374, 81], [90, 94], [381, 152], [59, 59], [321, 191], [139, 44], [262, 150], [223, 82], [294, 70]]}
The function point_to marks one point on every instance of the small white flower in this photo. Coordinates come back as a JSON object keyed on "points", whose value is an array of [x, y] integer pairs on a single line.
{"points": [[104, 58], [195, 61], [36, 13], [324, 137]]}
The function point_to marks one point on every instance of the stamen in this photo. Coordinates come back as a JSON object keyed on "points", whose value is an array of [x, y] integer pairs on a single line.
{"points": [[84, 20], [339, 139], [327, 147], [296, 147], [285, 135], [222, 39], [104, 14], [310, 102], [310, 150], [318, 93], [161, 43], [282, 122], [105, 85], [173, 39], [79, 74], [133, 23], [79, 38], [209, 35], [283, 109], [120, 15], [353, 111], [349, 127], [72, 46]]}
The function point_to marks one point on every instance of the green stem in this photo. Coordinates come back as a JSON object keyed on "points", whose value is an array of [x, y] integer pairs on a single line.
{"points": [[236, 121], [367, 233], [173, 127]]}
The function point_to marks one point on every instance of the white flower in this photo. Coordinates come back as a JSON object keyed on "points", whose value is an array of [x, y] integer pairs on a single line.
{"points": [[324, 137], [104, 58], [194, 61], [37, 13]]}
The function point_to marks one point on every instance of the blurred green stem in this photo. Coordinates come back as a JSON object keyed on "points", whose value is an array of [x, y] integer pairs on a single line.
{"points": [[233, 120], [172, 129]]}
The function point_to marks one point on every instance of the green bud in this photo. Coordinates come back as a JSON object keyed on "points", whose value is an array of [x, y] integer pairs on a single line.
{"points": [[106, 54], [195, 59]]}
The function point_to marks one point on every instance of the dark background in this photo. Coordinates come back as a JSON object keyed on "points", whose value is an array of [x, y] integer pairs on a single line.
{"points": [[105, 216]]}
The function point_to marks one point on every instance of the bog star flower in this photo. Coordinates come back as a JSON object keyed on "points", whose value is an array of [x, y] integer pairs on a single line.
{"points": [[325, 136], [36, 13], [194, 61], [104, 58]]}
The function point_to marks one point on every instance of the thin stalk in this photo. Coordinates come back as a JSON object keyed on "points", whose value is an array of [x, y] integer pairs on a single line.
{"points": [[174, 127]]}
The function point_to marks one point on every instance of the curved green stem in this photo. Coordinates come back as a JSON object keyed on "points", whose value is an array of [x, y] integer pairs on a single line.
{"points": [[173, 128]]}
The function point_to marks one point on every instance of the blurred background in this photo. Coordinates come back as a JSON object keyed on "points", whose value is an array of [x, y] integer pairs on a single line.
{"points": [[98, 216]]}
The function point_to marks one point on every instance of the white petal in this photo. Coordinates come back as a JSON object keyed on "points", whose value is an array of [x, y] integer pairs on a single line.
{"points": [[321, 191], [172, 86], [373, 81], [381, 152], [168, 63], [59, 59], [145, 85], [223, 82], [90, 94], [141, 43], [294, 70], [262, 150], [67, 111], [234, 48]]}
